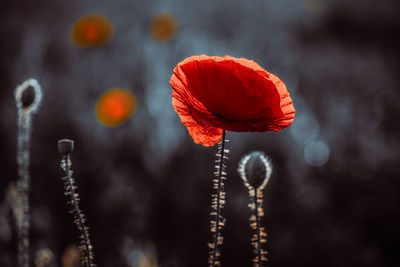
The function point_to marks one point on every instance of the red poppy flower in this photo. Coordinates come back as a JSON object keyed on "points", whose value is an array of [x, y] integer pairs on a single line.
{"points": [[212, 94]]}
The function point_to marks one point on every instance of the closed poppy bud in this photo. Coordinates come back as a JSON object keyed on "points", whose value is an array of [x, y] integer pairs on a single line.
{"points": [[28, 96], [65, 146], [255, 169]]}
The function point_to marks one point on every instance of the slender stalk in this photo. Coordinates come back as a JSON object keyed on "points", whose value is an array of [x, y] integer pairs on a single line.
{"points": [[255, 169], [259, 250], [23, 188], [218, 203], [256, 200], [65, 148], [28, 96]]}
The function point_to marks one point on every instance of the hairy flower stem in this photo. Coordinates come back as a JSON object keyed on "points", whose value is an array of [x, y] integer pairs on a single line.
{"points": [[217, 204], [255, 169], [256, 200], [79, 218], [259, 250], [28, 96], [23, 188]]}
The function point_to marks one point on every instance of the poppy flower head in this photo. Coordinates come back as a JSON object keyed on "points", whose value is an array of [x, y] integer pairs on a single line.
{"points": [[212, 94]]}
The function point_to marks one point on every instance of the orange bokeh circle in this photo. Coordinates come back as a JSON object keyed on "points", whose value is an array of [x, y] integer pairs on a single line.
{"points": [[115, 107], [91, 30], [164, 26]]}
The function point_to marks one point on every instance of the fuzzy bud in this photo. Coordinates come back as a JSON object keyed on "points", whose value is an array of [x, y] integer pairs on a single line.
{"points": [[255, 169], [65, 146]]}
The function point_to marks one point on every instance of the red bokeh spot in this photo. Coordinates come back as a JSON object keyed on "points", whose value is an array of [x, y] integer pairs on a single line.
{"points": [[91, 30], [115, 106], [164, 27]]}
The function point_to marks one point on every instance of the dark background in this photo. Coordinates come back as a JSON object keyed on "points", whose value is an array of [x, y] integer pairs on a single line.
{"points": [[145, 186]]}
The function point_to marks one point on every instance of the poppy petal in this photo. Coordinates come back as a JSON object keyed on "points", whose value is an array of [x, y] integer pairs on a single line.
{"points": [[200, 131]]}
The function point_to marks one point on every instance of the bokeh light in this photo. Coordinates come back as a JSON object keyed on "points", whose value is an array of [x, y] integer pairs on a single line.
{"points": [[71, 257], [91, 30], [316, 153], [164, 27], [304, 129], [139, 258], [314, 6], [115, 106], [44, 257]]}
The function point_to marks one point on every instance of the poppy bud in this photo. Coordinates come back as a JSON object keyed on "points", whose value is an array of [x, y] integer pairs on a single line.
{"points": [[28, 96], [255, 169], [65, 146]]}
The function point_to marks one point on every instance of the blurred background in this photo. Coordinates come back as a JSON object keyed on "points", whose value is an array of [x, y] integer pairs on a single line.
{"points": [[146, 187]]}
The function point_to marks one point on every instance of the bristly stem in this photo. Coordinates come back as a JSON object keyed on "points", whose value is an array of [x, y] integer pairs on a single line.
{"points": [[255, 169], [258, 239], [23, 194], [28, 96], [259, 250], [65, 147], [218, 203]]}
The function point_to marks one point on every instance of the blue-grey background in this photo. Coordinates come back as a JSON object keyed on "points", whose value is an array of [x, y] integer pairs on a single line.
{"points": [[145, 186]]}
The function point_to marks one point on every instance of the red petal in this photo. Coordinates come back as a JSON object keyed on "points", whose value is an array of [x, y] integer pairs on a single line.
{"points": [[201, 133]]}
